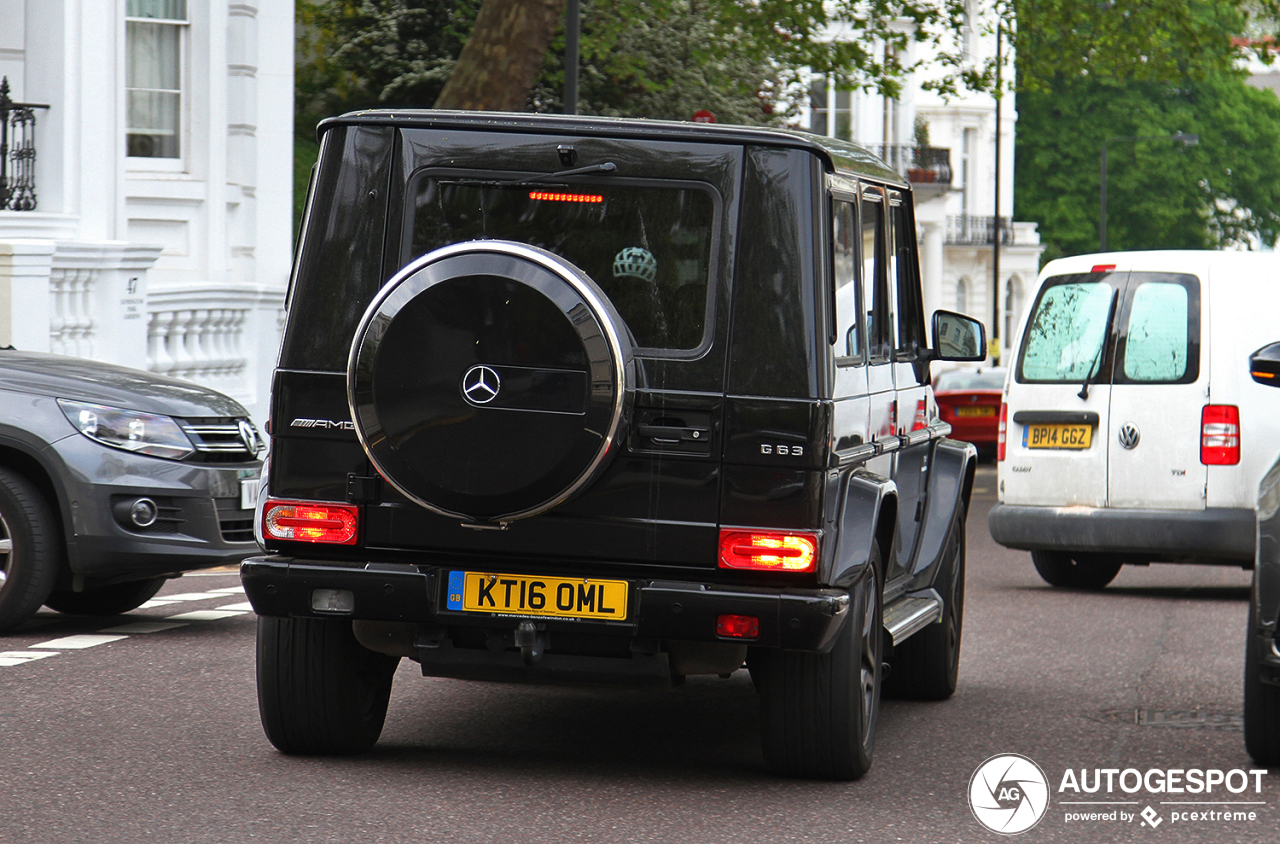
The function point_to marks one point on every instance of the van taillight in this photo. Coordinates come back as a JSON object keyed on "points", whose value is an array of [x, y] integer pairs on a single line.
{"points": [[310, 521], [1220, 435], [768, 550], [1003, 431]]}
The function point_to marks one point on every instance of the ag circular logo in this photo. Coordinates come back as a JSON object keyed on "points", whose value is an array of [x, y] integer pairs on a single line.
{"points": [[1008, 794]]}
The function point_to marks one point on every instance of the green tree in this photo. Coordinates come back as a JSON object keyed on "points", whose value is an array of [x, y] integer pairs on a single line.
{"points": [[1087, 72]]}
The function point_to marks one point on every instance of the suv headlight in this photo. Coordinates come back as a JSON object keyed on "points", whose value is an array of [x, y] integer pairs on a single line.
{"points": [[131, 430]]}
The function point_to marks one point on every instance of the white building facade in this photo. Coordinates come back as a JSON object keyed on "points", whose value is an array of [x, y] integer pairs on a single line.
{"points": [[947, 149], [152, 228]]}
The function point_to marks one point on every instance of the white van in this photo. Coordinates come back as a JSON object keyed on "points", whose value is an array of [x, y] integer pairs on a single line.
{"points": [[1131, 432]]}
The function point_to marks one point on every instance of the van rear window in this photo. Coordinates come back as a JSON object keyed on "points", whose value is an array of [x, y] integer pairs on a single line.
{"points": [[1063, 342], [647, 246]]}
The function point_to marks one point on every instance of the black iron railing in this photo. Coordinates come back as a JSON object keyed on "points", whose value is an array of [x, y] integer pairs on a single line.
{"points": [[978, 231], [921, 165], [17, 152]]}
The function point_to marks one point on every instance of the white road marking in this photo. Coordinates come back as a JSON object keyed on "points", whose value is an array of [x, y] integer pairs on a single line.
{"points": [[84, 640], [205, 615], [233, 590], [245, 607], [190, 596], [9, 658], [143, 627]]}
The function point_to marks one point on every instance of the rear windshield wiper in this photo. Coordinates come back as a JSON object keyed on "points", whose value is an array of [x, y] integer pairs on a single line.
{"points": [[1102, 344]]}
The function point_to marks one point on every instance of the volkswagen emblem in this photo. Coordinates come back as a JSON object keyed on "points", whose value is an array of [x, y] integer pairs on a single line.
{"points": [[480, 384], [1129, 435], [248, 436]]}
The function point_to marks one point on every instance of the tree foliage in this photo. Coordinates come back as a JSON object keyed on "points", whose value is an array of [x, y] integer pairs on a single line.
{"points": [[1089, 72]]}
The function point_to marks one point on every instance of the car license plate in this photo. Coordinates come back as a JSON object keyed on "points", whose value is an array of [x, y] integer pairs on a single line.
{"points": [[975, 411], [561, 597], [249, 493], [1057, 436]]}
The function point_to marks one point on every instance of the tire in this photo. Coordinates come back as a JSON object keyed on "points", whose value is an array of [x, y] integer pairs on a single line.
{"points": [[927, 666], [105, 600], [819, 711], [1261, 700], [1061, 568], [320, 692], [30, 549]]}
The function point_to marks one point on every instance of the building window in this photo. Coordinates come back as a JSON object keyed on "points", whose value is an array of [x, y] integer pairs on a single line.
{"points": [[830, 110], [1012, 308], [154, 35], [962, 296], [968, 141]]}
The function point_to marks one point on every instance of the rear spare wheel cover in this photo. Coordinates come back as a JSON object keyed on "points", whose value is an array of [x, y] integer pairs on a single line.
{"points": [[488, 380]]}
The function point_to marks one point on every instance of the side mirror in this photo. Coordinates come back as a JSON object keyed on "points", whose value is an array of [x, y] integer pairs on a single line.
{"points": [[1264, 365], [958, 337]]}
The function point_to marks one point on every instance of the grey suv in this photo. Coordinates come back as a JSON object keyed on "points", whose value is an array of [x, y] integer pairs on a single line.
{"points": [[112, 480]]}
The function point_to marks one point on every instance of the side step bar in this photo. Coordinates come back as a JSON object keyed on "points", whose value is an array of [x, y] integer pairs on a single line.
{"points": [[911, 613]]}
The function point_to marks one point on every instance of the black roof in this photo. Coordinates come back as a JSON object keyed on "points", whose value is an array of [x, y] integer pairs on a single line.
{"points": [[837, 154]]}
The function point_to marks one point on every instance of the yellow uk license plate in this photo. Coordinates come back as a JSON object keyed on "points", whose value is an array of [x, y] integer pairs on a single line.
{"points": [[517, 594], [975, 411], [1057, 436]]}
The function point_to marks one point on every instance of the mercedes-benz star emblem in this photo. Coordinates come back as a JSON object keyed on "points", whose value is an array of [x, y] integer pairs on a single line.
{"points": [[1129, 435], [480, 384]]}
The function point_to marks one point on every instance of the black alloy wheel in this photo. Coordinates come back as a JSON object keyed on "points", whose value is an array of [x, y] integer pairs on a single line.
{"points": [[30, 549]]}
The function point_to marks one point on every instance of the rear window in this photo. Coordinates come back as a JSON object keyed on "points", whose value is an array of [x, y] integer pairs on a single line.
{"points": [[991, 379], [647, 245], [1063, 342], [1153, 338]]}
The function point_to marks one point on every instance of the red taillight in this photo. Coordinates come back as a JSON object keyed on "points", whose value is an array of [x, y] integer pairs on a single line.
{"points": [[1002, 433], [307, 521], [738, 626], [768, 550], [1220, 435]]}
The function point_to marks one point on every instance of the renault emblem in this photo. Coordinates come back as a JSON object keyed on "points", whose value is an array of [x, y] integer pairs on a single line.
{"points": [[1129, 435], [480, 384]]}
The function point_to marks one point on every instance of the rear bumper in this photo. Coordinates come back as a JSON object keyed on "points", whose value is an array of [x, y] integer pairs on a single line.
{"points": [[1215, 534], [795, 619]]}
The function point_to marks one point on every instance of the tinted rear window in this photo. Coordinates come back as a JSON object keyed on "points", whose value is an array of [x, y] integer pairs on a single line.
{"points": [[992, 379], [647, 246]]}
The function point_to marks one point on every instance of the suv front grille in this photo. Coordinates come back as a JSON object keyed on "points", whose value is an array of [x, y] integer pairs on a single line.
{"points": [[220, 440]]}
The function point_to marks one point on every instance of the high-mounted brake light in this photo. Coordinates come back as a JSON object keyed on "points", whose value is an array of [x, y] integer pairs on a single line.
{"points": [[768, 550], [1102, 268], [552, 196], [310, 521], [1002, 433], [1220, 435]]}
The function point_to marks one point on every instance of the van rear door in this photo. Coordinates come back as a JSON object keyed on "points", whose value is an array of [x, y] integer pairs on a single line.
{"points": [[1059, 398], [1158, 388]]}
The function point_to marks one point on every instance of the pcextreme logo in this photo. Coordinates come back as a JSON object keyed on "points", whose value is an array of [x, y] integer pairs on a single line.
{"points": [[1010, 794]]}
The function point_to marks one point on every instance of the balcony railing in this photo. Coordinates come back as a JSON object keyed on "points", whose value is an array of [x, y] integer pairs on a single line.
{"points": [[978, 231], [927, 165], [17, 152]]}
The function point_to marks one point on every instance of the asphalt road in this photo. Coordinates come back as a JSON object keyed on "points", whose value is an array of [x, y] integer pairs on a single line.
{"points": [[154, 736]]}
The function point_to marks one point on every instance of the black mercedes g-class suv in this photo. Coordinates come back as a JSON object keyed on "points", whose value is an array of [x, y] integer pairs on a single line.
{"points": [[590, 400]]}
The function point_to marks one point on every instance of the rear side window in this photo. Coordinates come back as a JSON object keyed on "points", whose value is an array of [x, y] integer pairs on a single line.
{"points": [[1064, 339], [647, 246]]}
